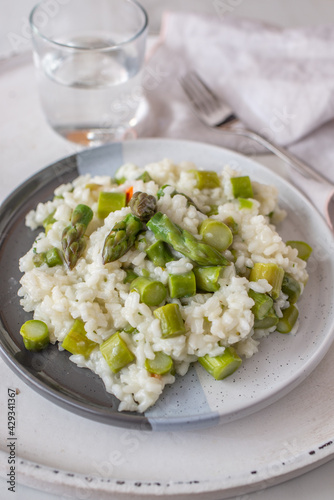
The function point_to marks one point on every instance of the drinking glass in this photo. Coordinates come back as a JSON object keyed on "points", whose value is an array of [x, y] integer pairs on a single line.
{"points": [[89, 57]]}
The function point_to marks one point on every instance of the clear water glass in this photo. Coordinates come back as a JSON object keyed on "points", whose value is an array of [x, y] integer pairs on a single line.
{"points": [[89, 56]]}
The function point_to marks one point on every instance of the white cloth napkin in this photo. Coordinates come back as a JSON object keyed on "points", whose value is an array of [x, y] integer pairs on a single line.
{"points": [[279, 82]]}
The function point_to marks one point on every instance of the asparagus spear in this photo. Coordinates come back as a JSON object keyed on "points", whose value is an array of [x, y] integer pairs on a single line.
{"points": [[303, 248], [216, 234], [171, 321], [152, 292], [143, 205], [242, 187], [182, 285], [35, 334], [287, 322], [160, 365], [73, 241], [206, 179], [223, 365], [116, 352], [121, 238], [184, 242]]}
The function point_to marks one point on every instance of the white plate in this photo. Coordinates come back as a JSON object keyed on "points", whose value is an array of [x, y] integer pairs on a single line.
{"points": [[228, 458]]}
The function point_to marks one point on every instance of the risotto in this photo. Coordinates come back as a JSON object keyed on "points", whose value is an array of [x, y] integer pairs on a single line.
{"points": [[141, 275]]}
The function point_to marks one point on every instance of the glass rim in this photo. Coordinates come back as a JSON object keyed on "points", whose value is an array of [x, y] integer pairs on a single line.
{"points": [[137, 34]]}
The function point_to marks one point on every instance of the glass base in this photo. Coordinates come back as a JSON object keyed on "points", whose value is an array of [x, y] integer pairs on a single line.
{"points": [[96, 136]]}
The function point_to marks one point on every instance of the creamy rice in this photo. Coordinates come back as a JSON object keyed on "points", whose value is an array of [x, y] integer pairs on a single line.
{"points": [[96, 293]]}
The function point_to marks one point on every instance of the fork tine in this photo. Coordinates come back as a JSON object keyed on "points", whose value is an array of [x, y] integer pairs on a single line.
{"points": [[199, 94], [206, 104], [202, 87]]}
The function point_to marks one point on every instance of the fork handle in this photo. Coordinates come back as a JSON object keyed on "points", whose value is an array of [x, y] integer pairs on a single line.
{"points": [[282, 153]]}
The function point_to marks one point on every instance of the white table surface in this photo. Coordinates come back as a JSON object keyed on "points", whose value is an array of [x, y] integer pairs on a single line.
{"points": [[27, 145]]}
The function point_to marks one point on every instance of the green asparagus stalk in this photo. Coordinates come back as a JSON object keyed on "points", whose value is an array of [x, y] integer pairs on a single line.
{"points": [[262, 304], [288, 321], [303, 248], [160, 365], [143, 205], [159, 253], [223, 365], [206, 179], [35, 334], [54, 257], [49, 221], [230, 222], [270, 320], [110, 202], [152, 292], [76, 341], [116, 352], [184, 242], [182, 285], [171, 321], [216, 234], [130, 276], [291, 288], [207, 278], [242, 187], [73, 241], [272, 273], [121, 238]]}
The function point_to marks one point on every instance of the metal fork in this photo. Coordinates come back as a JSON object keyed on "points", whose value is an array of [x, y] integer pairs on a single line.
{"points": [[211, 110]]}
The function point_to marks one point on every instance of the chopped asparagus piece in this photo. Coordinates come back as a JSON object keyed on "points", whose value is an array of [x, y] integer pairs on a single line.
{"points": [[160, 365], [213, 210], [76, 341], [268, 322], [120, 180], [223, 365], [159, 253], [288, 321], [171, 322], [184, 242], [35, 334], [263, 304], [93, 186], [143, 205], [130, 329], [291, 288], [216, 233], [54, 257], [244, 203], [151, 292], [242, 187], [182, 285], [73, 241], [207, 278], [39, 259], [49, 220], [272, 273], [230, 222], [145, 177], [304, 249], [206, 179], [116, 352], [110, 202], [121, 238], [130, 276]]}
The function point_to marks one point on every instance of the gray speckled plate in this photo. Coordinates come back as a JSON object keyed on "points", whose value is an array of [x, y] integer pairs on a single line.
{"points": [[195, 400]]}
